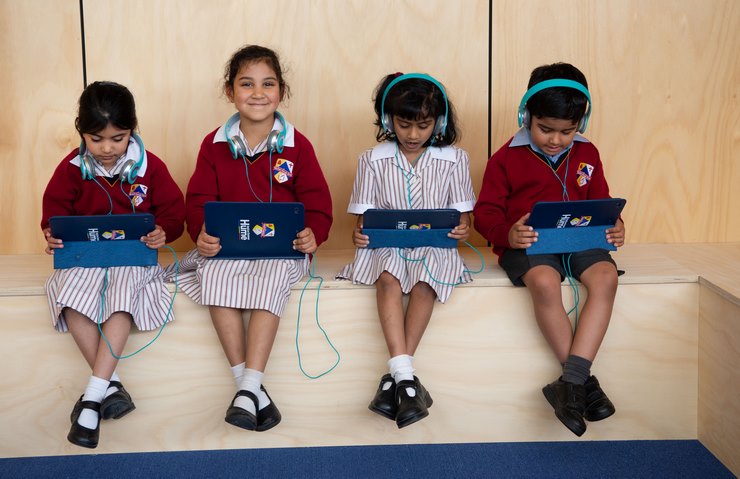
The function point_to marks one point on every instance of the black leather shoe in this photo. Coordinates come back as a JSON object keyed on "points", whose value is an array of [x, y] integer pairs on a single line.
{"points": [[411, 409], [82, 436], [240, 417], [384, 402], [269, 416], [76, 410], [117, 404], [598, 406], [569, 402]]}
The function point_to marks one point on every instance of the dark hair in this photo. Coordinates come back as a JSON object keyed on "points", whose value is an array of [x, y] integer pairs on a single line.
{"points": [[253, 54], [413, 99], [557, 102], [103, 103]]}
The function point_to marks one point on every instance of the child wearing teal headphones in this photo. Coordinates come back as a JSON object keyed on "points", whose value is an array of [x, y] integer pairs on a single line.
{"points": [[415, 166], [548, 160], [255, 156], [110, 173]]}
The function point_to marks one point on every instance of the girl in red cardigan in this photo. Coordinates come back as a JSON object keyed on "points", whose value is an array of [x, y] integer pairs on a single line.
{"points": [[110, 173], [547, 160], [256, 156]]}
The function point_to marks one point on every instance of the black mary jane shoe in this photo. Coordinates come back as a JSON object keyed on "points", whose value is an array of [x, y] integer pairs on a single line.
{"points": [[117, 404], [269, 416], [411, 409], [240, 417], [569, 402], [384, 402], [80, 435], [598, 405], [76, 410]]}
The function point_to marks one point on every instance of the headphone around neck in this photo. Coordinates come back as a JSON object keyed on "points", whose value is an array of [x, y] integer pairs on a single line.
{"points": [[128, 173], [440, 125], [275, 140], [524, 115]]}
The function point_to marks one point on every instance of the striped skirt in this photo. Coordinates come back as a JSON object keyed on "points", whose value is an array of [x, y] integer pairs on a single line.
{"points": [[242, 284], [99, 292], [441, 268]]}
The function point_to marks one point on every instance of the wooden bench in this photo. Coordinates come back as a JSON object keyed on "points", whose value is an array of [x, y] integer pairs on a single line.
{"points": [[669, 363]]}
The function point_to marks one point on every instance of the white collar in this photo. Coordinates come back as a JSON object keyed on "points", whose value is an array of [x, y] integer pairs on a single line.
{"points": [[388, 150]]}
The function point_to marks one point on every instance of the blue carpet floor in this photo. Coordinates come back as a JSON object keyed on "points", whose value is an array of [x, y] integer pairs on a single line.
{"points": [[591, 459]]}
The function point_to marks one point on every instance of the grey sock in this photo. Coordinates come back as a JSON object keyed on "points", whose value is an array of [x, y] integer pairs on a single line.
{"points": [[576, 370]]}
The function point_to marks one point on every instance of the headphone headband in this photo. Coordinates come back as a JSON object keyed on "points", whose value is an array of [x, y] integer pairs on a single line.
{"points": [[555, 83], [387, 122]]}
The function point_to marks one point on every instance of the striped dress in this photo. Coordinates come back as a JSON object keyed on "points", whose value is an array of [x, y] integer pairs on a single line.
{"points": [[251, 284], [99, 292], [386, 180]]}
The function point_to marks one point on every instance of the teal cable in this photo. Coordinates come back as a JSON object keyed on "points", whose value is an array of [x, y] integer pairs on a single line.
{"points": [[426, 267], [169, 311], [311, 277]]}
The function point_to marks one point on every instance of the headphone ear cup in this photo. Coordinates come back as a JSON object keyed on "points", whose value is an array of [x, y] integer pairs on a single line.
{"points": [[387, 123], [440, 126], [129, 172], [237, 147], [276, 141], [524, 119]]}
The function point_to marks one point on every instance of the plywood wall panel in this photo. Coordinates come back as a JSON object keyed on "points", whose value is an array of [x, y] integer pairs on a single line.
{"points": [[172, 54], [40, 81], [664, 77]]}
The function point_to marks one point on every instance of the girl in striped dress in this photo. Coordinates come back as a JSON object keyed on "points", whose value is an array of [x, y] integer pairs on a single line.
{"points": [[110, 173], [256, 156], [415, 167]]}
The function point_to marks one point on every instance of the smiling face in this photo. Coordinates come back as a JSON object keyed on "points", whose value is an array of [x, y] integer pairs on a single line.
{"points": [[256, 94], [552, 135], [412, 135], [107, 145]]}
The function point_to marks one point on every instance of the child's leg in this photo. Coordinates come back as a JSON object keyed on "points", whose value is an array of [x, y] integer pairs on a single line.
{"points": [[85, 431], [390, 311], [418, 314], [600, 280], [229, 327], [543, 283], [249, 409]]}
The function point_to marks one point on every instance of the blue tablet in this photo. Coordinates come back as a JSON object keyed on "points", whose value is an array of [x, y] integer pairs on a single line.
{"points": [[255, 230], [100, 241], [410, 228], [572, 226]]}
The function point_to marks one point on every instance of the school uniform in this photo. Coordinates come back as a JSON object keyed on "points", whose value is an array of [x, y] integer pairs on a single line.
{"points": [[386, 180], [291, 176], [517, 176], [137, 290]]}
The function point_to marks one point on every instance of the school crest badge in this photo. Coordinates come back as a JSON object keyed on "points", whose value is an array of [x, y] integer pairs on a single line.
{"points": [[584, 174], [283, 170], [137, 193]]}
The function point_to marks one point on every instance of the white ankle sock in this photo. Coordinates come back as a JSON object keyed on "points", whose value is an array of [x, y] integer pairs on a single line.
{"points": [[95, 391], [112, 389], [251, 381], [237, 371], [402, 369]]}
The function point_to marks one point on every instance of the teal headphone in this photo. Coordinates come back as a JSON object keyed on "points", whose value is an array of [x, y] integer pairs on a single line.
{"points": [[524, 117], [275, 140], [130, 169], [440, 126]]}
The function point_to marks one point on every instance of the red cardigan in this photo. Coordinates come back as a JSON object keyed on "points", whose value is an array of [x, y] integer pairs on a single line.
{"points": [[516, 178], [220, 177], [68, 194]]}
